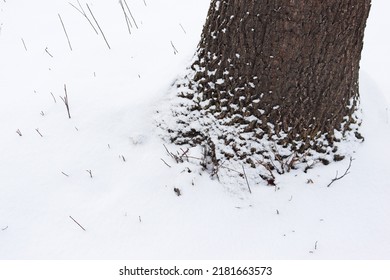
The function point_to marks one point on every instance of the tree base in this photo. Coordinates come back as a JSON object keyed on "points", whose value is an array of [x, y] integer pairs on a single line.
{"points": [[231, 145]]}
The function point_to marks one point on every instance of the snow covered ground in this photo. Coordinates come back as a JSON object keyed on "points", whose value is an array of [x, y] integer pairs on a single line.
{"points": [[129, 209]]}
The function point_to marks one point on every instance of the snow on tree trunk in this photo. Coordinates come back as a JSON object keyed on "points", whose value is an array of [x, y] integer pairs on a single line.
{"points": [[272, 76]]}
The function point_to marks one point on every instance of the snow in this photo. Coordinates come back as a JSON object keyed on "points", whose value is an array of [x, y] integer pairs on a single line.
{"points": [[129, 208]]}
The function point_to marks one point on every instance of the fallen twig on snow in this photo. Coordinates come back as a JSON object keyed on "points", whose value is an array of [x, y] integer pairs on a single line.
{"points": [[37, 130], [66, 101], [81, 11], [101, 31], [90, 173], [342, 176], [24, 44], [249, 188], [66, 34], [175, 51], [183, 28], [77, 223], [128, 23], [127, 6], [165, 163], [55, 101], [47, 51]]}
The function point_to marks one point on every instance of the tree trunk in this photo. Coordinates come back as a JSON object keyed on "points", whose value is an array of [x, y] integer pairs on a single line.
{"points": [[281, 70]]}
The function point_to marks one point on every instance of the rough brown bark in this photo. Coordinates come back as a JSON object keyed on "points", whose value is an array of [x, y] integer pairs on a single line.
{"points": [[284, 70]]}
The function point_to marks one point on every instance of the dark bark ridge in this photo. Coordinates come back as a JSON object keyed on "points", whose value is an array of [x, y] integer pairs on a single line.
{"points": [[272, 76]]}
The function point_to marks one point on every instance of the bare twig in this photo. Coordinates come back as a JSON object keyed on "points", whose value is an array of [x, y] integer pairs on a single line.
{"points": [[342, 176], [77, 223], [55, 101], [65, 174], [128, 23], [101, 31], [4, 228], [165, 163], [18, 132], [66, 34], [66, 101], [24, 44], [81, 11], [47, 51], [182, 28], [175, 51], [37, 130], [127, 6], [90, 172], [179, 157], [246, 178]]}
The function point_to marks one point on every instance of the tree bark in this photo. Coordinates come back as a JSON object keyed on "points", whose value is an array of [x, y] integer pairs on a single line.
{"points": [[285, 70]]}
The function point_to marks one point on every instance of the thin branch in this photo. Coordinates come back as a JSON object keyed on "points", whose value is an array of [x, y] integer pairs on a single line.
{"points": [[246, 178], [342, 176], [81, 11], [67, 37], [77, 223], [128, 23], [24, 44], [165, 163], [175, 51], [47, 51], [101, 31], [90, 173], [55, 101], [37, 130], [179, 157], [127, 6], [66, 101], [182, 28]]}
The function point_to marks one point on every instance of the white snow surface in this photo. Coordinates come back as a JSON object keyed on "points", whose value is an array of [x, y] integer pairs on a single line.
{"points": [[129, 209]]}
